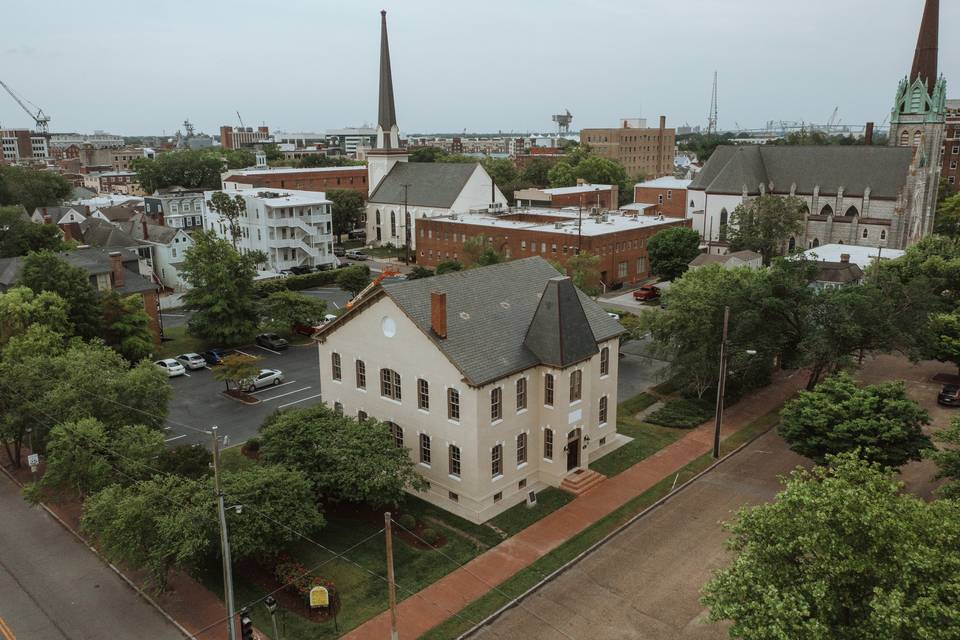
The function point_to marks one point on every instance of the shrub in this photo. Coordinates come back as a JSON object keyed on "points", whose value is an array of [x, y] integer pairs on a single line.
{"points": [[682, 413], [430, 536], [252, 445], [264, 288], [299, 580], [190, 461], [407, 521]]}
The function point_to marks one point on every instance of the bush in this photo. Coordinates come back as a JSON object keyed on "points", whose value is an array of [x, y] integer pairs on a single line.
{"points": [[252, 445], [188, 460], [299, 581], [430, 536], [264, 288], [408, 522], [682, 413]]}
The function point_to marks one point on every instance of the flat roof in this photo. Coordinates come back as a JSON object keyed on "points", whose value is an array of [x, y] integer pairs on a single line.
{"points": [[270, 170], [861, 256], [566, 219], [666, 182], [636, 206], [580, 188], [278, 197]]}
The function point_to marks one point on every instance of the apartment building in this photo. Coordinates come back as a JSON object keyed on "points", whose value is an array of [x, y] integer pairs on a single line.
{"points": [[643, 151], [495, 390], [176, 207], [22, 146], [293, 228], [243, 137]]}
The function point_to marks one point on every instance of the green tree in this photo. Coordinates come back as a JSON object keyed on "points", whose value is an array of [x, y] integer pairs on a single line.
{"points": [[562, 174], [21, 308], [448, 266], [354, 279], [948, 460], [32, 188], [240, 158], [221, 290], [46, 271], [187, 460], [880, 422], [947, 222], [317, 160], [230, 209], [347, 211], [502, 170], [584, 270], [478, 252], [21, 235], [537, 172], [946, 329], [127, 326], [841, 553], [671, 250], [426, 154], [238, 369], [597, 170], [765, 224], [419, 272], [280, 311], [345, 459], [190, 168]]}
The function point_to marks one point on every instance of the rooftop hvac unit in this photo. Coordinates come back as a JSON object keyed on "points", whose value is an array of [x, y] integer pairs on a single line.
{"points": [[558, 225]]}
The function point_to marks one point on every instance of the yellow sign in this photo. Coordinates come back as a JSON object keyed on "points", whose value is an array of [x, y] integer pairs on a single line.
{"points": [[319, 597]]}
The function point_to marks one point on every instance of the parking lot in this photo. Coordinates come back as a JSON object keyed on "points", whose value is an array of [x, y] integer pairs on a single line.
{"points": [[198, 403]]}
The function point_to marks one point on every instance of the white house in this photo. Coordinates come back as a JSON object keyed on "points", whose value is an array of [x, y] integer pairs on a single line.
{"points": [[499, 380], [293, 228]]}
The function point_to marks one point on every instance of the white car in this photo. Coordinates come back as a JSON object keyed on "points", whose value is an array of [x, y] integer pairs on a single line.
{"points": [[171, 366], [615, 316], [265, 378], [192, 360]]}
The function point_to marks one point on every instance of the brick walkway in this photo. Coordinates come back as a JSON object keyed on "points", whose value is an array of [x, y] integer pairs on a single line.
{"points": [[441, 600]]}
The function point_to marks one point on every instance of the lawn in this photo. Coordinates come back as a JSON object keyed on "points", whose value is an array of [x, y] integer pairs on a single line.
{"points": [[385, 252], [178, 341], [519, 517]]}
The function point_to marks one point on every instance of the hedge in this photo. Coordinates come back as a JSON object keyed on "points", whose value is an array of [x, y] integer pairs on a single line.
{"points": [[296, 283], [682, 413]]}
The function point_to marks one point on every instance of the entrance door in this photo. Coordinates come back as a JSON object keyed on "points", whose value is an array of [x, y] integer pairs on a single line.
{"points": [[573, 450]]}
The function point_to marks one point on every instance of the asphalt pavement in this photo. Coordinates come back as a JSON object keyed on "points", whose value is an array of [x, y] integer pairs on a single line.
{"points": [[52, 587]]}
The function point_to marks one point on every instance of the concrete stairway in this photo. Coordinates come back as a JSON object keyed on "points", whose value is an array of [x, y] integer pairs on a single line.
{"points": [[581, 481]]}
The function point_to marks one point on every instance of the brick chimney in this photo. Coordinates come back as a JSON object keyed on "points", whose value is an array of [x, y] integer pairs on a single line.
{"points": [[844, 257], [143, 225], [868, 134], [116, 267], [438, 313]]}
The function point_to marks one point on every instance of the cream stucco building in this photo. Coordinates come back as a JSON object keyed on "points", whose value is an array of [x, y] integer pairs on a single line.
{"points": [[499, 381]]}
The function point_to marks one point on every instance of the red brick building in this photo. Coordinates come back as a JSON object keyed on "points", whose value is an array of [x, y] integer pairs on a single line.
{"points": [[588, 196], [951, 147], [667, 195], [620, 240], [353, 178], [240, 137]]}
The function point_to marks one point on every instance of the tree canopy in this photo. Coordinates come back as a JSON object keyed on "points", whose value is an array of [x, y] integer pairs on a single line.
{"points": [[671, 250], [947, 222], [127, 326], [21, 235], [354, 279], [841, 553], [281, 311], [880, 422], [46, 271], [230, 208], [764, 225], [32, 188], [347, 210], [946, 336], [21, 308], [190, 168]]}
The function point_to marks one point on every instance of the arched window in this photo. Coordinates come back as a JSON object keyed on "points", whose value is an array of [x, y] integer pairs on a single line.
{"points": [[852, 212], [816, 242], [904, 138], [792, 245], [805, 209], [827, 210], [604, 361], [723, 224], [521, 448], [397, 434], [393, 223], [916, 138], [548, 389], [692, 205], [883, 234], [865, 232], [576, 385], [378, 216], [407, 225]]}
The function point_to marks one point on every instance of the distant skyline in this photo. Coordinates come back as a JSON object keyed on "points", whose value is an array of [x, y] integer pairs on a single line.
{"points": [[138, 68]]}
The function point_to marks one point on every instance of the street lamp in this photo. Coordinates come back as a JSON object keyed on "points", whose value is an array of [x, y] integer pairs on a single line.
{"points": [[271, 603], [722, 382]]}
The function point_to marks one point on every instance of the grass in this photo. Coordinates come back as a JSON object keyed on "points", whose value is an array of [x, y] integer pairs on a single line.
{"points": [[519, 517], [232, 459], [530, 576], [179, 341], [385, 252], [647, 438], [682, 413], [635, 405], [666, 388]]}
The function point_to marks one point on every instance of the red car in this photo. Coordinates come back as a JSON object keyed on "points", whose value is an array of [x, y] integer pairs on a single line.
{"points": [[646, 292]]}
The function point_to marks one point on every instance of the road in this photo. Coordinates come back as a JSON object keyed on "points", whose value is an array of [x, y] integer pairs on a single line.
{"points": [[53, 588], [644, 583]]}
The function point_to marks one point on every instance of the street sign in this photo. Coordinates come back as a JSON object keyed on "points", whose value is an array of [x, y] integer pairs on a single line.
{"points": [[319, 597], [33, 459]]}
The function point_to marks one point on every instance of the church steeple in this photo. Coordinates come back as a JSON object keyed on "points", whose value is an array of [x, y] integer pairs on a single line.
{"points": [[386, 152], [387, 114], [925, 58]]}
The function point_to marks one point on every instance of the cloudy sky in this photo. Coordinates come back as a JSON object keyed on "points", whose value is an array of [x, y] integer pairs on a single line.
{"points": [[141, 67]]}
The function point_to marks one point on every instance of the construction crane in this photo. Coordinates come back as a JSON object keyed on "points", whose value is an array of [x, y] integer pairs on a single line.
{"points": [[240, 119], [42, 119], [380, 278], [833, 118]]}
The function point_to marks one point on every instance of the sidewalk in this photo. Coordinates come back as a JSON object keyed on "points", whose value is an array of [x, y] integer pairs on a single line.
{"points": [[441, 600]]}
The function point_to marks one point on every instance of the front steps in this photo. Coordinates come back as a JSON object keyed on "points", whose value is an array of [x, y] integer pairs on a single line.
{"points": [[581, 481]]}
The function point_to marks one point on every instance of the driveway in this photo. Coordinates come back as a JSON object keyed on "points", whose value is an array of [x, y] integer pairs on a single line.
{"points": [[645, 582], [640, 368], [53, 588], [198, 404]]}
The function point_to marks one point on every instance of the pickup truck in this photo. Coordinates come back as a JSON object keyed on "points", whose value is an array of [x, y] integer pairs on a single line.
{"points": [[646, 292]]}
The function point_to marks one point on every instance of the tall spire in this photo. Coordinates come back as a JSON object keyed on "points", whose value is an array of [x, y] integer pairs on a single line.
{"points": [[925, 58], [387, 117]]}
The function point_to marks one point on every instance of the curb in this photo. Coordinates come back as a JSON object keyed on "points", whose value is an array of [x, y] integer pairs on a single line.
{"points": [[140, 592], [596, 545]]}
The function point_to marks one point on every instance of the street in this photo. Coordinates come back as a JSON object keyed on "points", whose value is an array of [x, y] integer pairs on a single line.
{"points": [[54, 588]]}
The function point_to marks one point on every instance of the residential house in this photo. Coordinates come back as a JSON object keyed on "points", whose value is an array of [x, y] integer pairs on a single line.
{"points": [[733, 260]]}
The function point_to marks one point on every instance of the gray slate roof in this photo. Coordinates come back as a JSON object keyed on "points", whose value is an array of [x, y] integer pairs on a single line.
{"points": [[158, 233], [839, 272], [559, 334], [730, 169], [432, 184], [92, 260], [490, 312], [98, 233], [709, 258]]}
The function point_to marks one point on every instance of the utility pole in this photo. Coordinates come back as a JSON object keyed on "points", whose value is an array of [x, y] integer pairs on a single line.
{"points": [[721, 383], [406, 226], [391, 583], [224, 540], [580, 226]]}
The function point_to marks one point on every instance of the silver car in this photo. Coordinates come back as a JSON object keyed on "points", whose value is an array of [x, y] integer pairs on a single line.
{"points": [[266, 378], [192, 360], [171, 366]]}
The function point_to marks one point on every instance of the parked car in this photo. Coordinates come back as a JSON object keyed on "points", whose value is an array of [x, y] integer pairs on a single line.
{"points": [[171, 366], [339, 251], [358, 234], [646, 292], [353, 254], [949, 395], [213, 357], [266, 378], [192, 360], [272, 341], [300, 270], [306, 329], [615, 316]]}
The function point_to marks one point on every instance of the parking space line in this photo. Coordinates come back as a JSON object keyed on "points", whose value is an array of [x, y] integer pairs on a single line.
{"points": [[288, 393], [275, 386], [300, 400], [175, 438], [270, 350], [244, 353]]}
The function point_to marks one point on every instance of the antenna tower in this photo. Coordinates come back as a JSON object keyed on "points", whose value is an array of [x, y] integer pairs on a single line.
{"points": [[712, 120]]}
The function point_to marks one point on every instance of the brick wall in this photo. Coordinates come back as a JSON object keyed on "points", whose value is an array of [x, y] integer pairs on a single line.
{"points": [[669, 202], [353, 179]]}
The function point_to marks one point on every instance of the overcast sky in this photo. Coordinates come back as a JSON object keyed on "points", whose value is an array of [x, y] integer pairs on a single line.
{"points": [[142, 67]]}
